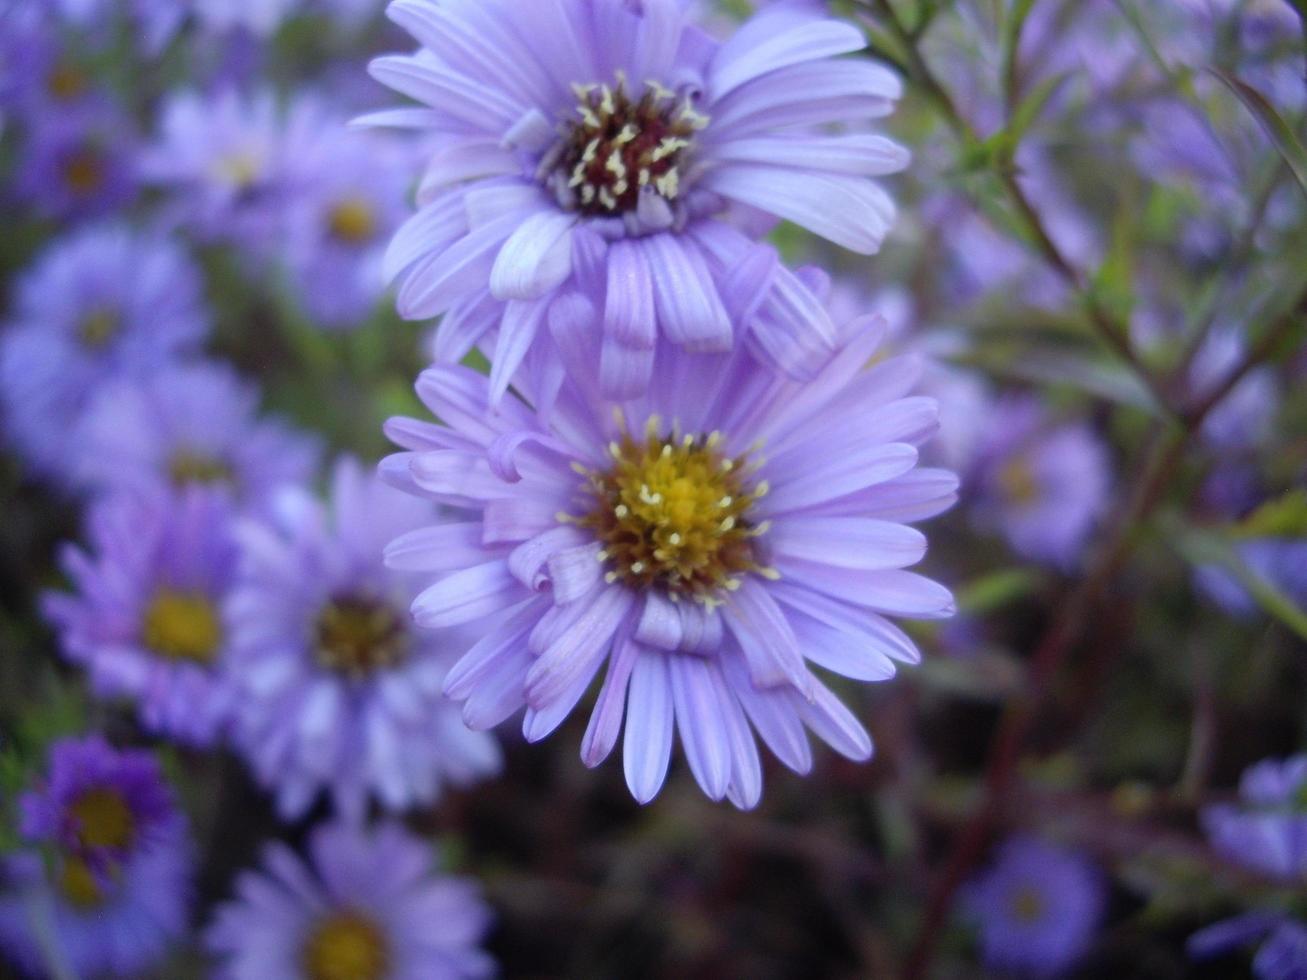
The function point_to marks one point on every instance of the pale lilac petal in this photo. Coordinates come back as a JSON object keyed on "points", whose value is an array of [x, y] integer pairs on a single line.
{"points": [[647, 746]]}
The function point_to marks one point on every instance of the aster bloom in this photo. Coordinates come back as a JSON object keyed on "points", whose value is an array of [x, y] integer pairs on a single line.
{"points": [[1037, 908], [101, 303], [702, 541], [193, 424], [595, 168], [352, 195], [146, 619], [366, 905], [338, 690], [221, 158], [1279, 561], [1042, 486], [1266, 831], [118, 882], [76, 164], [1282, 954], [1245, 418]]}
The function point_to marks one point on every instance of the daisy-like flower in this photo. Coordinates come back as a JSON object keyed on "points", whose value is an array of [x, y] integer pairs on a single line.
{"points": [[77, 164], [597, 166], [222, 160], [106, 302], [367, 905], [1042, 486], [115, 892], [1282, 954], [352, 195], [701, 541], [338, 690], [194, 424], [146, 620], [1037, 908], [1266, 830]]}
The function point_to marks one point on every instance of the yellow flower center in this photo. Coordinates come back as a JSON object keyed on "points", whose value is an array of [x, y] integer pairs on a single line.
{"points": [[1028, 905], [357, 636], [187, 467], [622, 145], [65, 82], [673, 513], [98, 328], [347, 946], [182, 626], [84, 171], [1018, 483], [353, 222], [103, 820]]}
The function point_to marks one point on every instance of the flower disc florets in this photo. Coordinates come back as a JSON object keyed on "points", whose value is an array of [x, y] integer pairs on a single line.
{"points": [[357, 636], [622, 146], [673, 513]]}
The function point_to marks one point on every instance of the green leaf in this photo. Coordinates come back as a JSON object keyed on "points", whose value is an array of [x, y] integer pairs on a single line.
{"points": [[1282, 135], [1283, 517], [996, 590]]}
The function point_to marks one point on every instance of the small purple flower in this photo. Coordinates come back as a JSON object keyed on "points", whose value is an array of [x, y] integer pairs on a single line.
{"points": [[701, 541], [1283, 951], [1246, 417], [595, 168], [115, 893], [1042, 486], [1037, 908], [188, 424], [338, 691], [1281, 562], [1266, 831], [102, 303], [146, 621], [352, 190], [77, 164], [221, 158], [367, 905], [40, 76]]}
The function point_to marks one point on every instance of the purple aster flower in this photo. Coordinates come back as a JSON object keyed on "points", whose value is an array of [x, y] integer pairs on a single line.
{"points": [[188, 424], [1281, 562], [366, 905], [1246, 418], [1266, 830], [105, 302], [593, 169], [222, 160], [338, 691], [1037, 908], [146, 619], [1042, 486], [77, 164], [1283, 951], [115, 891], [39, 74], [353, 190], [702, 541]]}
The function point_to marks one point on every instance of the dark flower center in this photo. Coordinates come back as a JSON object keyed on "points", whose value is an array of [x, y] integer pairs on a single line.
{"points": [[358, 635], [673, 513], [1028, 905], [623, 145], [98, 328], [353, 222], [102, 820], [1018, 482], [66, 82], [346, 946], [79, 884], [182, 626], [83, 170], [187, 466]]}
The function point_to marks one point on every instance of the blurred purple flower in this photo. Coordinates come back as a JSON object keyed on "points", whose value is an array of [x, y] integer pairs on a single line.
{"points": [[1283, 953], [367, 905], [146, 620], [702, 541], [596, 166], [188, 424], [1246, 417], [338, 691], [350, 198], [1042, 486], [1266, 830], [1037, 908], [101, 303], [221, 159], [1281, 562], [115, 892], [40, 76], [77, 164]]}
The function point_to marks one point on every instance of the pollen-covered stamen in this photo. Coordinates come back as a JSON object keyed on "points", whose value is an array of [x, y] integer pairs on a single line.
{"points": [[358, 635], [674, 513], [621, 145]]}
